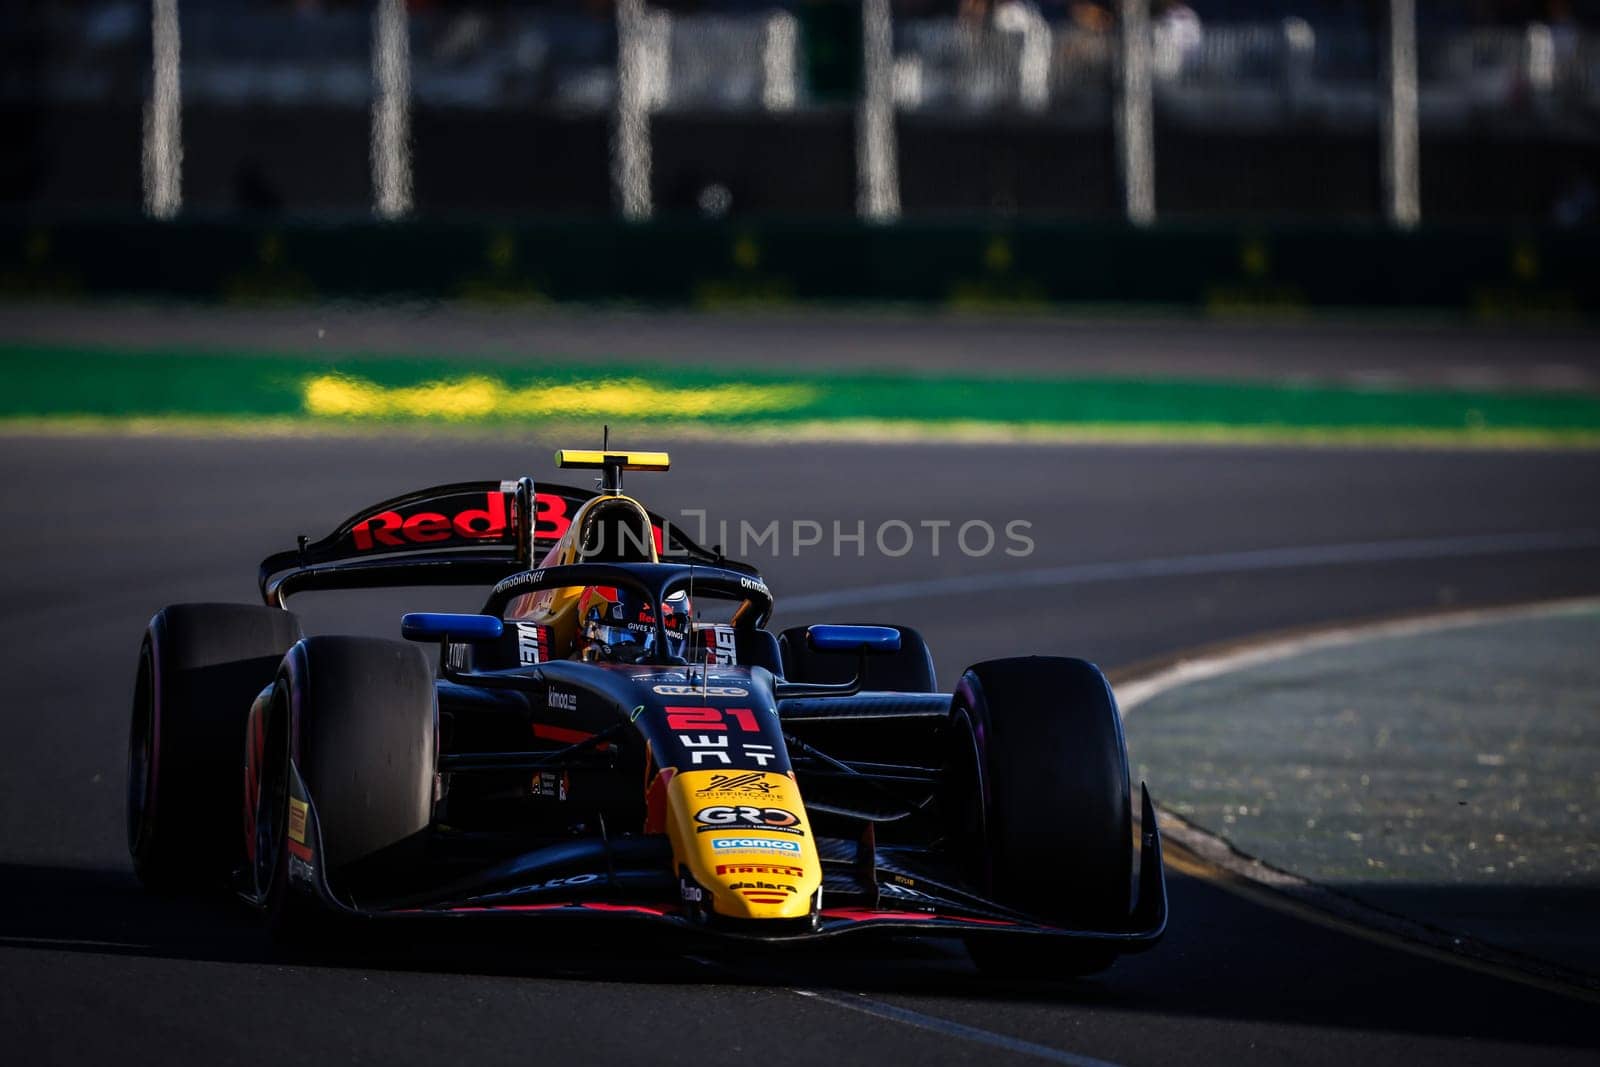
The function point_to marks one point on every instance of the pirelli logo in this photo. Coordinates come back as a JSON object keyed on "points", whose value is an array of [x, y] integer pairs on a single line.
{"points": [[297, 821], [761, 868]]}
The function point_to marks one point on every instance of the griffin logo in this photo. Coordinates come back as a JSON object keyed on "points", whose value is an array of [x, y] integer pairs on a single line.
{"points": [[751, 782]]}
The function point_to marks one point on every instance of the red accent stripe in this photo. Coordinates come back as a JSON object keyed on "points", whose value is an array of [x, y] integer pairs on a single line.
{"points": [[565, 735], [568, 905], [868, 915], [640, 908], [559, 733], [300, 851]]}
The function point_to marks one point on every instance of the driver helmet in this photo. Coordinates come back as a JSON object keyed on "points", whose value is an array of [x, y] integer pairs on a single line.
{"points": [[619, 624]]}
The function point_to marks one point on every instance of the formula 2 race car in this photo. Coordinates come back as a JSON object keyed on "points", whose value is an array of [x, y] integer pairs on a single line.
{"points": [[590, 747]]}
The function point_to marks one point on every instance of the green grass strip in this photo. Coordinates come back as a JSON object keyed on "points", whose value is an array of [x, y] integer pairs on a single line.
{"points": [[66, 382]]}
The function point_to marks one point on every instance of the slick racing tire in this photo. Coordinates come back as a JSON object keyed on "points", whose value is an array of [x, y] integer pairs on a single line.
{"points": [[356, 717], [910, 670], [200, 667], [1049, 822]]}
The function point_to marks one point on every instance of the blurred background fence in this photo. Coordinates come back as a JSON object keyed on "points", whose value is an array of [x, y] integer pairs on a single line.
{"points": [[1013, 112]]}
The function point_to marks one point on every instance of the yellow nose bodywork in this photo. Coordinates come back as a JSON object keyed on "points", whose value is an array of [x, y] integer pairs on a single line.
{"points": [[743, 838]]}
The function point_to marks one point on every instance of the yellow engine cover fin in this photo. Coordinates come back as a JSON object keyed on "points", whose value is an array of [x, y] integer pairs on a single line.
{"points": [[599, 459]]}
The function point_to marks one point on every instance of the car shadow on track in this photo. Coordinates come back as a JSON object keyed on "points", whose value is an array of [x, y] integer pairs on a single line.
{"points": [[1344, 981]]}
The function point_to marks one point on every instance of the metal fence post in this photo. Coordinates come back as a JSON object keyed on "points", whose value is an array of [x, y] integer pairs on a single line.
{"points": [[1135, 123], [630, 149], [779, 51], [877, 168], [391, 110], [163, 131], [1401, 182]]}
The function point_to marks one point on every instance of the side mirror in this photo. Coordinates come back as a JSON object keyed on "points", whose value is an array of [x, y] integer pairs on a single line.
{"points": [[861, 639], [444, 626]]}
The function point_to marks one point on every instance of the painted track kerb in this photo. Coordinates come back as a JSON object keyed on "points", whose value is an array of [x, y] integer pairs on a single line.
{"points": [[1215, 850], [1265, 559], [115, 384]]}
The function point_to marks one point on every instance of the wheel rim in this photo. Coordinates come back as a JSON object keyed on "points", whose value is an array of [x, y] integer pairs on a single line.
{"points": [[141, 755], [272, 800], [969, 802]]}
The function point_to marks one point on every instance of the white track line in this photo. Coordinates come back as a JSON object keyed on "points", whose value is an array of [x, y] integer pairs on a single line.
{"points": [[1138, 691], [858, 1002], [9, 941], [1263, 559], [934, 1024]]}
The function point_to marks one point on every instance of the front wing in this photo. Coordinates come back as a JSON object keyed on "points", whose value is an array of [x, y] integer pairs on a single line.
{"points": [[941, 912]]}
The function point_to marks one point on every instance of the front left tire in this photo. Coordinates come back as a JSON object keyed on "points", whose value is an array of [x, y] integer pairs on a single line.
{"points": [[1045, 807], [356, 716]]}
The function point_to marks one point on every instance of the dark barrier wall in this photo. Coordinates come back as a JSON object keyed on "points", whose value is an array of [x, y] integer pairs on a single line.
{"points": [[493, 163], [1476, 272], [472, 163], [1334, 176], [1007, 167]]}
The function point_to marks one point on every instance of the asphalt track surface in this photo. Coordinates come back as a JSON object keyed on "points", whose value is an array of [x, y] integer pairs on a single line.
{"points": [[100, 532]]}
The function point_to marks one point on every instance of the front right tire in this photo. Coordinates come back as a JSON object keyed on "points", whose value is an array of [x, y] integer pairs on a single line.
{"points": [[200, 668]]}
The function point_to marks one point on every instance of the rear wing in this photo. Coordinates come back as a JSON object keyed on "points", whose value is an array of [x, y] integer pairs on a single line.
{"points": [[464, 533]]}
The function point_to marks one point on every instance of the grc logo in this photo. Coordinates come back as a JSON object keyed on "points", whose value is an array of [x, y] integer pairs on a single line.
{"points": [[390, 529]]}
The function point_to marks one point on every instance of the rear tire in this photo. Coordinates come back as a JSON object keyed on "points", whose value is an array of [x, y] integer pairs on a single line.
{"points": [[365, 744], [910, 670], [200, 668], [1047, 769]]}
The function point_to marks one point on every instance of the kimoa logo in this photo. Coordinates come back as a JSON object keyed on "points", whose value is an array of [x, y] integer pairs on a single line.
{"points": [[394, 530], [564, 701]]}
